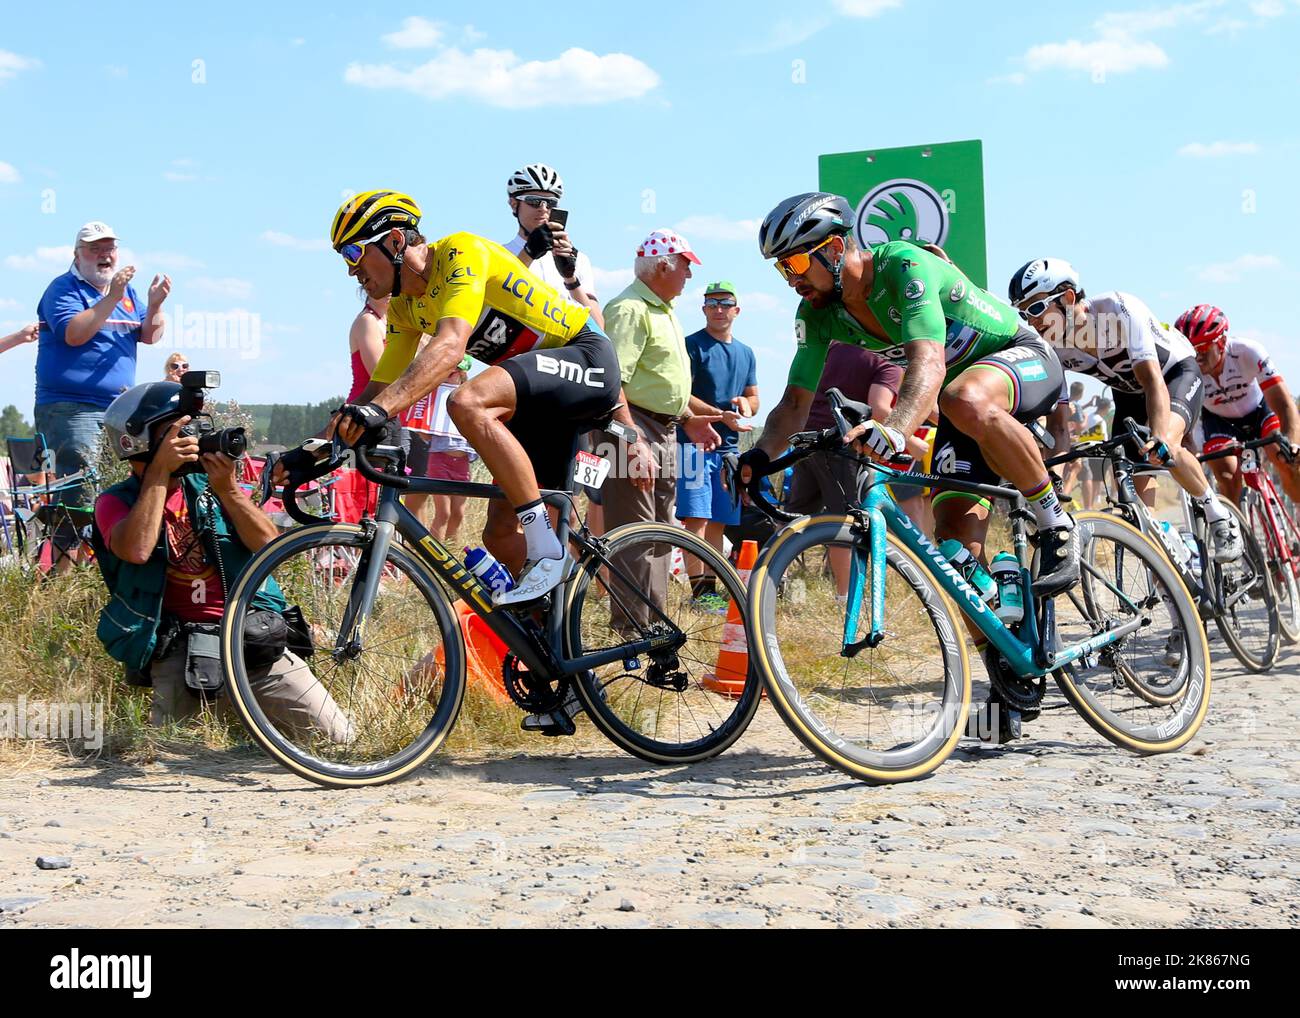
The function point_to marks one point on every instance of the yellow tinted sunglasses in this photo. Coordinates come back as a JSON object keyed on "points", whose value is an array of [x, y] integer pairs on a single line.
{"points": [[797, 264]]}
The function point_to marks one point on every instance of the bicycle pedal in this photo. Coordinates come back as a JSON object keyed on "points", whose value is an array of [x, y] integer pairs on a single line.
{"points": [[556, 724]]}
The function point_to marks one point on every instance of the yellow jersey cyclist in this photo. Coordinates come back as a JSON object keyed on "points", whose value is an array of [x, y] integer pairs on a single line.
{"points": [[1151, 371], [990, 373], [553, 371], [1245, 398]]}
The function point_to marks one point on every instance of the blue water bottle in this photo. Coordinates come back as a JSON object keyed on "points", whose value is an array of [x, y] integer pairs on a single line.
{"points": [[969, 567], [491, 573]]}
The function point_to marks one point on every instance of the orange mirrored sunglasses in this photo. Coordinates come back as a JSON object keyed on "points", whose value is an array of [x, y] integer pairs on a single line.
{"points": [[797, 264]]}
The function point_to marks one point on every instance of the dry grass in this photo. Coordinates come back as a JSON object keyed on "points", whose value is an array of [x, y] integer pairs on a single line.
{"points": [[47, 627]]}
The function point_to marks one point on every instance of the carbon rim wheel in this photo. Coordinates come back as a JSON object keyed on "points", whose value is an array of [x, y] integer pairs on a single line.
{"points": [[1132, 579], [682, 704], [371, 713], [887, 713], [1249, 622]]}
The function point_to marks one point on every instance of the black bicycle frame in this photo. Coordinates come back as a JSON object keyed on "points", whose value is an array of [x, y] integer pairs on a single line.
{"points": [[541, 656]]}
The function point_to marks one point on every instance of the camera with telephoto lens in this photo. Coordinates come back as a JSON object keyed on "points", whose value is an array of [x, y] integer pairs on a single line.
{"points": [[231, 441]]}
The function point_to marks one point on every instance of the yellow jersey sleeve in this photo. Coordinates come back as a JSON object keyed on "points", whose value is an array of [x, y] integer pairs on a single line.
{"points": [[400, 345], [463, 266]]}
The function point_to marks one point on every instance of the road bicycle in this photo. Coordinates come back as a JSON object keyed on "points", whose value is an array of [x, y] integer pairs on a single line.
{"points": [[385, 643], [1271, 524], [879, 685], [1238, 595]]}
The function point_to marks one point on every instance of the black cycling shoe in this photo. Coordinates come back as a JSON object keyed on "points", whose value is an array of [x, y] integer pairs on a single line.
{"points": [[997, 723], [1059, 549]]}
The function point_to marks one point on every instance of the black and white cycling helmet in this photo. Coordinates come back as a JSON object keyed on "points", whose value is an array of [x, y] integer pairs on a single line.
{"points": [[535, 177], [129, 418], [803, 222], [1041, 277]]}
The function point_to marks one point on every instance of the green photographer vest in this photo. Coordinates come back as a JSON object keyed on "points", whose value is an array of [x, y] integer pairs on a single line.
{"points": [[128, 624]]}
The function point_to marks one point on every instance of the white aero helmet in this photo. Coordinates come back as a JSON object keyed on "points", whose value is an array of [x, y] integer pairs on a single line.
{"points": [[1041, 277], [535, 177]]}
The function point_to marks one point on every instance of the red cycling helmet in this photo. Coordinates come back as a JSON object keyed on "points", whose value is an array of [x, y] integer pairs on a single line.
{"points": [[1203, 325]]}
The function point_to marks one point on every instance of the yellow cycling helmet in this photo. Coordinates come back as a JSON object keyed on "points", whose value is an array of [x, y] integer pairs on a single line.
{"points": [[371, 213]]}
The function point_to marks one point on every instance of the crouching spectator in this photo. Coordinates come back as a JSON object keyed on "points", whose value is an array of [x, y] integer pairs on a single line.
{"points": [[164, 537]]}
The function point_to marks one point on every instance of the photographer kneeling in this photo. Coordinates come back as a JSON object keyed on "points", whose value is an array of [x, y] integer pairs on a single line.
{"points": [[170, 540]]}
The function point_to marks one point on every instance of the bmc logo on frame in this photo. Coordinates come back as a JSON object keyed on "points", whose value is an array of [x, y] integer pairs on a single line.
{"points": [[571, 372]]}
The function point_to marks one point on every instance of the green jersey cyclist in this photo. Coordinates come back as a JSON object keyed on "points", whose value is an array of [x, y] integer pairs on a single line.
{"points": [[959, 344]]}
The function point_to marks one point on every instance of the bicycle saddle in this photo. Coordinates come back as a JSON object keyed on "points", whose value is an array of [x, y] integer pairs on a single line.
{"points": [[854, 411]]}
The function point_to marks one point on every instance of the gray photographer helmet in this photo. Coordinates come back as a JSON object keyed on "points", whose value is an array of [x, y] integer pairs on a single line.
{"points": [[130, 418]]}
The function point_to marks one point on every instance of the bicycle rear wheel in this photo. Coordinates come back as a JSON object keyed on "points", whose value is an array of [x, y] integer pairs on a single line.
{"points": [[883, 714], [1249, 621], [1149, 691], [1281, 564], [368, 712], [676, 704]]}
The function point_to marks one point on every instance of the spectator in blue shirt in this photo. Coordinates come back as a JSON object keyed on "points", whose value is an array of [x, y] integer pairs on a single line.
{"points": [[723, 375], [90, 322]]}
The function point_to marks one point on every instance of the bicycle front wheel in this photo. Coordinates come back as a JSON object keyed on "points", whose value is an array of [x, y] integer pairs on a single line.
{"points": [[369, 703], [1281, 564], [680, 703], [1150, 690], [1249, 621], [886, 713]]}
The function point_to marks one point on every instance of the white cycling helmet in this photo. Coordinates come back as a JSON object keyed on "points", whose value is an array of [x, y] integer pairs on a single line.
{"points": [[1041, 277], [535, 177]]}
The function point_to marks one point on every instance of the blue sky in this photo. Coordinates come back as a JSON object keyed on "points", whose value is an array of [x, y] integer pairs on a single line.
{"points": [[1154, 146]]}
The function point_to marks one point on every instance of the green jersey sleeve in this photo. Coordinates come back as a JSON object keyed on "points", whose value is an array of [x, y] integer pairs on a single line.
{"points": [[812, 343], [917, 288]]}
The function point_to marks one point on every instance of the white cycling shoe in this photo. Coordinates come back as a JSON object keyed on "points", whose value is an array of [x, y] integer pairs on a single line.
{"points": [[539, 578], [1226, 537]]}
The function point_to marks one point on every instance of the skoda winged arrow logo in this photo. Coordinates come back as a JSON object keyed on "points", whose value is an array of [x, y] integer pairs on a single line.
{"points": [[901, 209]]}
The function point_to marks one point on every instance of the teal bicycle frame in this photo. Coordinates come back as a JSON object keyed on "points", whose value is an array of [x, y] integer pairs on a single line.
{"points": [[1028, 653]]}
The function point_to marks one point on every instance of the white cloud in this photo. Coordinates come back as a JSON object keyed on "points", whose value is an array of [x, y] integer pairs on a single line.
{"points": [[296, 243], [1152, 19], [1114, 54], [416, 33], [1216, 149], [179, 172], [12, 63], [500, 78], [9, 302], [713, 227], [43, 258], [1268, 8], [117, 70], [9, 174], [1120, 45], [297, 41], [232, 289], [786, 32], [865, 8], [1233, 271], [179, 178], [610, 282]]}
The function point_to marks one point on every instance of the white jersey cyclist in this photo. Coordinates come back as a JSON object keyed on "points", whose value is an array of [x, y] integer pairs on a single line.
{"points": [[1238, 390], [1108, 336], [1126, 333]]}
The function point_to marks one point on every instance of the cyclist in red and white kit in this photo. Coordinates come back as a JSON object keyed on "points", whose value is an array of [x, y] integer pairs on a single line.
{"points": [[1245, 398]]}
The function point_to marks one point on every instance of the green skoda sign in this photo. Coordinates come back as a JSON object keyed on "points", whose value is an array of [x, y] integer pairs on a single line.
{"points": [[932, 194]]}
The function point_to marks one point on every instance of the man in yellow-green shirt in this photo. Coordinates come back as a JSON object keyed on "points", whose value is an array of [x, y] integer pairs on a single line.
{"points": [[656, 375]]}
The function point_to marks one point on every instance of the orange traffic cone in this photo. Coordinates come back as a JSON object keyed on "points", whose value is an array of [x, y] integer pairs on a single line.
{"points": [[728, 675], [484, 654]]}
